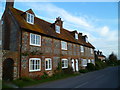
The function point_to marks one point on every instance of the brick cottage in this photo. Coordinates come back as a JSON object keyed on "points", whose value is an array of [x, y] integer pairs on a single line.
{"points": [[32, 46]]}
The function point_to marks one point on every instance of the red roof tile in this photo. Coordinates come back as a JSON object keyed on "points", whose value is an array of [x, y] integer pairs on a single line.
{"points": [[45, 28]]}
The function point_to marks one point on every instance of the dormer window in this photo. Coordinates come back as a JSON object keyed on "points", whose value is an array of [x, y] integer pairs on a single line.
{"points": [[57, 29], [76, 36], [86, 39], [30, 18]]}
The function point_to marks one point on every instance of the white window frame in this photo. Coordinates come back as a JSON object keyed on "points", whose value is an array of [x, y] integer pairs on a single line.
{"points": [[93, 61], [57, 29], [91, 50], [63, 45], [86, 39], [83, 63], [31, 21], [76, 36], [49, 63], [35, 40], [82, 48], [89, 61], [35, 61], [65, 63]]}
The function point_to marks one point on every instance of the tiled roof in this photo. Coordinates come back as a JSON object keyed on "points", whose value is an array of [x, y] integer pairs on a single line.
{"points": [[45, 28]]}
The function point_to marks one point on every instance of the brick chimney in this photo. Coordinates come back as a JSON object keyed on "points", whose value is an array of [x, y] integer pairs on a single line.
{"points": [[9, 3], [59, 22]]}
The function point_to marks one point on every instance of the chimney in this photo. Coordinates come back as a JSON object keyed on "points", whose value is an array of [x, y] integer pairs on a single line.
{"points": [[85, 38], [59, 22], [100, 53], [80, 34], [9, 3]]}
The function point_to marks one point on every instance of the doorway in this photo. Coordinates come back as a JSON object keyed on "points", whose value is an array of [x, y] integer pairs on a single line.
{"points": [[8, 67]]}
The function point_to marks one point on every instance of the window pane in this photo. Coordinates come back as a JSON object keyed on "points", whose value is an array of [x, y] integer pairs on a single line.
{"points": [[33, 65], [57, 29], [38, 40], [28, 18], [32, 39], [32, 18], [46, 64], [62, 63], [49, 63]]}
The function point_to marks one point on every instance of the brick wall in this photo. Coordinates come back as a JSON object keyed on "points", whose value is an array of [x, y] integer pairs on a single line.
{"points": [[50, 48]]}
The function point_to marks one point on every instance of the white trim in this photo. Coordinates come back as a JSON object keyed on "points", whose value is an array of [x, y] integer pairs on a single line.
{"points": [[82, 48], [30, 64], [84, 64], [30, 22], [49, 68], [35, 40], [65, 63], [62, 45], [76, 36], [57, 27]]}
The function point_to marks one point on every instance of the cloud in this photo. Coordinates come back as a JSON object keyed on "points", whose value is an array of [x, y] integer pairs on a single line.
{"points": [[102, 37], [104, 31]]}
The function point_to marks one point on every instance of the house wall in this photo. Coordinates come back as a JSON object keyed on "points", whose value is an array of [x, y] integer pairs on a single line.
{"points": [[50, 48], [10, 41]]}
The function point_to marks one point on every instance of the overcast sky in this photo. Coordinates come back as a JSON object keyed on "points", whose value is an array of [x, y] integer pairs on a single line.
{"points": [[98, 20]]}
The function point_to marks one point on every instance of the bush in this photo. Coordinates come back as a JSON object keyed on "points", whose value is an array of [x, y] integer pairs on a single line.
{"points": [[90, 67], [68, 70], [83, 70], [26, 79], [100, 65], [44, 76]]}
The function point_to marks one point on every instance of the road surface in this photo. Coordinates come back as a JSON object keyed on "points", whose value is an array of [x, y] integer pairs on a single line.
{"points": [[105, 78]]}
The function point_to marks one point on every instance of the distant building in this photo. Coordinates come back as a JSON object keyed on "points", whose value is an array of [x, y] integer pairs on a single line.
{"points": [[99, 55]]}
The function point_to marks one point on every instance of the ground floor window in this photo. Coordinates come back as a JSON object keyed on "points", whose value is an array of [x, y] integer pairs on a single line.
{"points": [[92, 61], [34, 64], [48, 64], [84, 62], [64, 63]]}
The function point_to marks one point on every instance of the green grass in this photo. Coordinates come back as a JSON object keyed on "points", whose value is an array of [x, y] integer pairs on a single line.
{"points": [[23, 83]]}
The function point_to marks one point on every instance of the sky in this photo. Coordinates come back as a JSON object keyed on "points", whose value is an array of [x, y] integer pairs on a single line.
{"points": [[97, 20]]}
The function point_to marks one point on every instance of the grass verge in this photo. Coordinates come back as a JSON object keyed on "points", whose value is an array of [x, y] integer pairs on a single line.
{"points": [[23, 83]]}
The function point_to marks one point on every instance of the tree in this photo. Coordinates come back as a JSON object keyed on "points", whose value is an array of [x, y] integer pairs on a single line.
{"points": [[112, 59]]}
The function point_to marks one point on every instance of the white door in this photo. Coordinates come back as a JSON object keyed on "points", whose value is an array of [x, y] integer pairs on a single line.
{"points": [[77, 65], [73, 66]]}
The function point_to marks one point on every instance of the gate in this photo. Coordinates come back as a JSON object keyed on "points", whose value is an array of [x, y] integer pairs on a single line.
{"points": [[8, 67]]}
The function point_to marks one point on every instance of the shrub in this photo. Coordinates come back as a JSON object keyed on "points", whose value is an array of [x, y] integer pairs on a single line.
{"points": [[26, 79], [44, 76], [100, 65], [68, 70], [83, 70], [90, 67]]}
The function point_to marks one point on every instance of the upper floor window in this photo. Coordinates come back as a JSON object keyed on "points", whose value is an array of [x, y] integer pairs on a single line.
{"points": [[34, 64], [57, 28], [64, 63], [30, 18], [76, 36], [82, 48], [63, 45], [86, 39], [91, 51], [48, 64], [35, 39]]}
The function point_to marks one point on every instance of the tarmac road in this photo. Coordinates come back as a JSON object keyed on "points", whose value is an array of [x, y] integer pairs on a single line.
{"points": [[105, 78]]}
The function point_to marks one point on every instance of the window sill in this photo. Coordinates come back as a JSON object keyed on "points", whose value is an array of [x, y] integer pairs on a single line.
{"points": [[34, 70]]}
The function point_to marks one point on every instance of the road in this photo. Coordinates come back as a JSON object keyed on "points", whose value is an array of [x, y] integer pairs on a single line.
{"points": [[105, 78]]}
